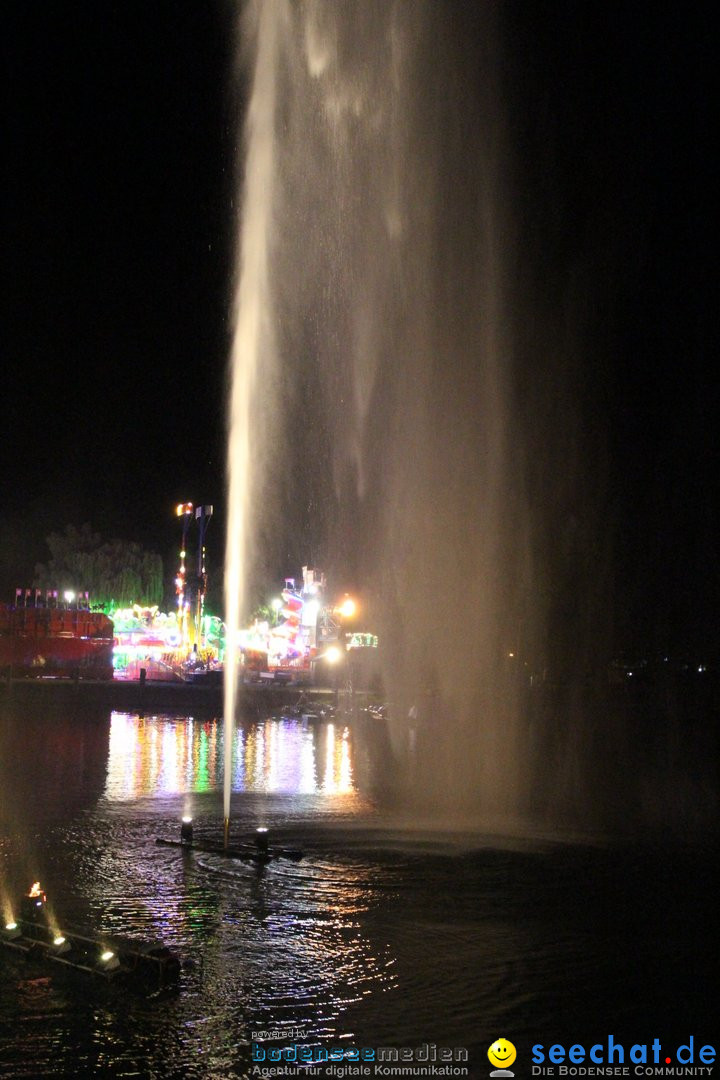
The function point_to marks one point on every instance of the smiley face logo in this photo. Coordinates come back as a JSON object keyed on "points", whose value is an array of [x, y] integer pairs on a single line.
{"points": [[502, 1053]]}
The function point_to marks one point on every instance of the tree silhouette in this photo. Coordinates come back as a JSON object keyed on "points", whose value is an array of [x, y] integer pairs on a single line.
{"points": [[113, 571]]}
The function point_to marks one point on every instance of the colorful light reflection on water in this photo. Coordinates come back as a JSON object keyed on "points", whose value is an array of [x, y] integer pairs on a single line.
{"points": [[173, 756]]}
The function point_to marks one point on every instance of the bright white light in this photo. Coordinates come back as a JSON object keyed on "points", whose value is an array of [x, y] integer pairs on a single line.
{"points": [[187, 820], [261, 829], [333, 654], [61, 946], [276, 603], [310, 612], [69, 596], [107, 955], [11, 926]]}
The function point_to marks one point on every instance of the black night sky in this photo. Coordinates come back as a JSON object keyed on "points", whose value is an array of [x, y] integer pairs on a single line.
{"points": [[118, 238], [121, 139]]}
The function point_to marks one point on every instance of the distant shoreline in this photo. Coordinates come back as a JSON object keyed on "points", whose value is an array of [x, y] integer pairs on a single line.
{"points": [[159, 696]]}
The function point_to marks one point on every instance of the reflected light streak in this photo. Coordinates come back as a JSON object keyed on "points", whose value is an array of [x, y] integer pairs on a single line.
{"points": [[239, 773], [273, 757], [172, 756], [189, 755], [328, 780], [308, 779], [345, 776]]}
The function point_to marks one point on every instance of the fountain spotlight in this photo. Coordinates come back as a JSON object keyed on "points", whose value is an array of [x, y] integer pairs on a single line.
{"points": [[261, 840], [108, 961], [12, 931], [60, 945], [186, 830]]}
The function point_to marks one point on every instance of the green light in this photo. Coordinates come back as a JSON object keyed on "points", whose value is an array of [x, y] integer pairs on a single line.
{"points": [[202, 778]]}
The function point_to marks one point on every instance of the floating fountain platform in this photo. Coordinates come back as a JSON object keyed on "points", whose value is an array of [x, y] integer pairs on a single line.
{"points": [[260, 854], [149, 965]]}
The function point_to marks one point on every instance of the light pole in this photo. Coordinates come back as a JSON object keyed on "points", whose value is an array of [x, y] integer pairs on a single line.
{"points": [[333, 656], [346, 611]]}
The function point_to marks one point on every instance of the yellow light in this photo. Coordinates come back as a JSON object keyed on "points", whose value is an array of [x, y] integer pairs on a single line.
{"points": [[35, 889], [109, 961], [184, 508], [333, 654], [348, 608]]}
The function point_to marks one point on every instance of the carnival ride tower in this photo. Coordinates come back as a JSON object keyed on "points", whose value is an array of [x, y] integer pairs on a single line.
{"points": [[191, 631], [184, 511], [202, 516]]}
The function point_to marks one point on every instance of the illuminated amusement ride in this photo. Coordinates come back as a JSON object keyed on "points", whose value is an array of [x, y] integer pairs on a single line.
{"points": [[304, 627], [45, 635]]}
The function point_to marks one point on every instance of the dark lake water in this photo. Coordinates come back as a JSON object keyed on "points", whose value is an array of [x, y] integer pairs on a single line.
{"points": [[383, 935]]}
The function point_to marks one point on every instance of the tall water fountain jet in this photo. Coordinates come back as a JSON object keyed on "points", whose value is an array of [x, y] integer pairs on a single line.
{"points": [[253, 351], [374, 256], [414, 407]]}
